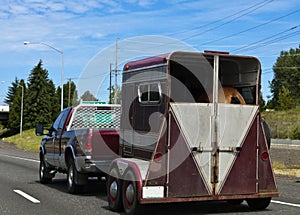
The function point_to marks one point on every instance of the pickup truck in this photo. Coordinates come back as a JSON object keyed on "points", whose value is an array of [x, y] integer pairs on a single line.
{"points": [[82, 142]]}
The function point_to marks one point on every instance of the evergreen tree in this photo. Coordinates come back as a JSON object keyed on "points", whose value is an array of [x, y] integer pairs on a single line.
{"points": [[285, 100], [112, 95], [54, 100], [14, 118], [37, 107], [11, 92], [262, 104], [88, 96], [73, 94]]}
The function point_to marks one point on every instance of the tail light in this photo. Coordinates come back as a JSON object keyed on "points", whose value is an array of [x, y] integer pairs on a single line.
{"points": [[89, 145], [265, 156], [157, 157]]}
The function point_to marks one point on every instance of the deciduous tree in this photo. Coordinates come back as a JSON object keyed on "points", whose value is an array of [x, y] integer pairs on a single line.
{"points": [[287, 75]]}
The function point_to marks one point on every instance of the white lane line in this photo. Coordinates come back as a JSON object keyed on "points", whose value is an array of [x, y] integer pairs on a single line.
{"points": [[20, 158], [285, 203], [26, 196]]}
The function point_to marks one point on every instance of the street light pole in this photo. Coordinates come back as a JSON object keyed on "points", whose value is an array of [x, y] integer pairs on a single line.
{"points": [[116, 73], [62, 70], [22, 106]]}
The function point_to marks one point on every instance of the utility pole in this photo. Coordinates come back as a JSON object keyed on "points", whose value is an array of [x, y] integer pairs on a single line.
{"points": [[22, 107], [116, 73], [110, 71], [69, 95]]}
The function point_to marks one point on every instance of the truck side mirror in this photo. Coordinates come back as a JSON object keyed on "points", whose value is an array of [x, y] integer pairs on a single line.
{"points": [[39, 130]]}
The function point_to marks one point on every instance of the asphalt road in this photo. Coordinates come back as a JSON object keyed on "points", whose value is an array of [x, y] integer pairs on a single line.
{"points": [[19, 176]]}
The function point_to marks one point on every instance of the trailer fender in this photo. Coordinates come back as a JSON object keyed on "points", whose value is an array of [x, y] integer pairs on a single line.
{"points": [[138, 167]]}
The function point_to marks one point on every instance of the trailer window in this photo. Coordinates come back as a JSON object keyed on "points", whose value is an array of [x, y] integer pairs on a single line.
{"points": [[149, 93]]}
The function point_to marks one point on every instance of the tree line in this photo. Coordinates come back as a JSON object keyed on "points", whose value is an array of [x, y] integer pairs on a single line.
{"points": [[285, 86], [41, 99]]}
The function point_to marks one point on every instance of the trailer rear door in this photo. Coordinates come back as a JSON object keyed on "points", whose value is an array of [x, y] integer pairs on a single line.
{"points": [[213, 147]]}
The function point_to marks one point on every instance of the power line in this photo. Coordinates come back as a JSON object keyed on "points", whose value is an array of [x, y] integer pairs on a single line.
{"points": [[226, 17], [256, 43], [249, 10], [275, 40], [249, 29], [255, 7], [279, 67]]}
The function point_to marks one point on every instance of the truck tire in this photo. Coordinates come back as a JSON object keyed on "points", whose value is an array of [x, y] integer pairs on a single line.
{"points": [[130, 194], [72, 176], [114, 189], [44, 172], [259, 203]]}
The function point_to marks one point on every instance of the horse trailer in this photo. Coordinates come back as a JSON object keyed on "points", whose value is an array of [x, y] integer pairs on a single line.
{"points": [[191, 130]]}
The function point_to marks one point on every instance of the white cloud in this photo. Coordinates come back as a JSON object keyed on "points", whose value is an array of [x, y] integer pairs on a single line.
{"points": [[82, 28]]}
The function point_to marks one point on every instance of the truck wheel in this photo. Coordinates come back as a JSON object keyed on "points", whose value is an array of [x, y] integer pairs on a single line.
{"points": [[114, 189], [130, 194], [44, 172], [259, 203], [72, 178]]}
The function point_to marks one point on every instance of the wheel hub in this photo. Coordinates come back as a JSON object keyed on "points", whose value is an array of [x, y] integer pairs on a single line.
{"points": [[113, 190], [70, 178], [129, 193], [42, 171]]}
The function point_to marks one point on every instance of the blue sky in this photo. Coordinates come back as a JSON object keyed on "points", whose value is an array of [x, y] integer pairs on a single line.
{"points": [[84, 30]]}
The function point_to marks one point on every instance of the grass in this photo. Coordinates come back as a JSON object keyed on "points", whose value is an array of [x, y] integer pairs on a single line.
{"points": [[29, 141], [284, 124], [282, 169], [278, 165]]}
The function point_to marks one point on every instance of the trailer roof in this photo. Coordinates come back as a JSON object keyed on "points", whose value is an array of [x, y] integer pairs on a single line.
{"points": [[150, 61], [162, 59]]}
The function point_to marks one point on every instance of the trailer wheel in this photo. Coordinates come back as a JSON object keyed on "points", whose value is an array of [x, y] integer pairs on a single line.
{"points": [[72, 176], [235, 201], [114, 189], [44, 172], [130, 194], [259, 203], [267, 133]]}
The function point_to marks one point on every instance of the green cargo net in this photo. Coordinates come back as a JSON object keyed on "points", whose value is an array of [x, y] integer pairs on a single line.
{"points": [[96, 117]]}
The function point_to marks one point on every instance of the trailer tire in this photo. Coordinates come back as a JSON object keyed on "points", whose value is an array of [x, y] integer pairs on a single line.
{"points": [[130, 194], [114, 189], [235, 201], [72, 176], [267, 133], [259, 203]]}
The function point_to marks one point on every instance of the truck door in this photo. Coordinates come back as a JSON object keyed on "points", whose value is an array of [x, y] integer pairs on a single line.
{"points": [[49, 145], [58, 138]]}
